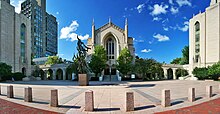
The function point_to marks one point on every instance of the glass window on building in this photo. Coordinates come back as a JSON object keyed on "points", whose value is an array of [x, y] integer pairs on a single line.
{"points": [[22, 42], [197, 41]]}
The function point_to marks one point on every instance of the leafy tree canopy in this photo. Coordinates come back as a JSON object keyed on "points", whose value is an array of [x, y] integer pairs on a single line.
{"points": [[184, 59], [176, 61], [54, 60], [98, 60], [150, 69], [124, 61]]}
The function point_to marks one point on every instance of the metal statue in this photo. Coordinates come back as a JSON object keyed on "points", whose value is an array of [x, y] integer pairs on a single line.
{"points": [[80, 58]]}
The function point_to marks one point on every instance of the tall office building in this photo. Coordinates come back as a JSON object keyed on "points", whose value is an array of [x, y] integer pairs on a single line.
{"points": [[35, 10], [51, 35]]}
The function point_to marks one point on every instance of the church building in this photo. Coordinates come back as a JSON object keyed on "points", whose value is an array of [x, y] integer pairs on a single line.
{"points": [[113, 39], [204, 37]]}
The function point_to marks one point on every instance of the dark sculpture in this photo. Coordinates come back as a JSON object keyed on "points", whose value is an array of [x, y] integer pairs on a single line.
{"points": [[80, 58]]}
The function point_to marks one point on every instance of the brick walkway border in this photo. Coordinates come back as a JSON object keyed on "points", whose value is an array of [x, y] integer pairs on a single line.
{"points": [[7, 107], [209, 107]]}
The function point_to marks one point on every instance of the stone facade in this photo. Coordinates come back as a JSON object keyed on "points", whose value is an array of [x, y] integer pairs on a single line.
{"points": [[14, 50], [204, 37], [113, 39]]}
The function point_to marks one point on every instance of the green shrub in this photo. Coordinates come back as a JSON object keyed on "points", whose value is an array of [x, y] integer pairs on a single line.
{"points": [[201, 73], [18, 76], [6, 77], [214, 71], [5, 71]]}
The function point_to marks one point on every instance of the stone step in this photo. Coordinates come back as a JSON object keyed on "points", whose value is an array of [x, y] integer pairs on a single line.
{"points": [[106, 78]]}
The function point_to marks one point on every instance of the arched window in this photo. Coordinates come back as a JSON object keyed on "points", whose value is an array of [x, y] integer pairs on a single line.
{"points": [[197, 41], [110, 48], [22, 42]]}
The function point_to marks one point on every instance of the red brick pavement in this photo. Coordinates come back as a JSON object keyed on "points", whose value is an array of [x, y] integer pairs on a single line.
{"points": [[210, 107], [7, 107]]}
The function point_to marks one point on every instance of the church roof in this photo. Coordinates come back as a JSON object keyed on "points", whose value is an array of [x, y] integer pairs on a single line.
{"points": [[108, 25]]}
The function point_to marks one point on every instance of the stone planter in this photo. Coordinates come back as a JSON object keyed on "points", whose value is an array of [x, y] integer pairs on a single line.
{"points": [[83, 80], [38, 78]]}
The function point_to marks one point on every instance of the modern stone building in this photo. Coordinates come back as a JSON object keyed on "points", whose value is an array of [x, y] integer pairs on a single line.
{"points": [[15, 41], [204, 37], [113, 39], [42, 36]]}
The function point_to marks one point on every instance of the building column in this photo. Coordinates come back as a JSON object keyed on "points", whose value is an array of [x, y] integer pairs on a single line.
{"points": [[54, 74], [64, 74], [165, 73], [174, 73]]}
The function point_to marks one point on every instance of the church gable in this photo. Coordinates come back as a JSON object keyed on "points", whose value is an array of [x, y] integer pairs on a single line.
{"points": [[109, 25]]}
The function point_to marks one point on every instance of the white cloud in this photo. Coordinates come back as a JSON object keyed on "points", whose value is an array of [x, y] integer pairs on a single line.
{"points": [[165, 20], [185, 27], [57, 13], [158, 9], [17, 5], [183, 2], [165, 28], [139, 40], [68, 32], [174, 10], [157, 19], [136, 54], [146, 50], [140, 8], [161, 38], [173, 27], [171, 1]]}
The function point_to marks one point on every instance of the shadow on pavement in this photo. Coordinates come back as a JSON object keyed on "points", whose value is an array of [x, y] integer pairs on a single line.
{"points": [[68, 106], [18, 98], [198, 98], [144, 107], [176, 102], [106, 109], [40, 102], [141, 85]]}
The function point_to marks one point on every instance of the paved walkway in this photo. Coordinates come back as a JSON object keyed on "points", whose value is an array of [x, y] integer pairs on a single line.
{"points": [[110, 97], [7, 107], [210, 107]]}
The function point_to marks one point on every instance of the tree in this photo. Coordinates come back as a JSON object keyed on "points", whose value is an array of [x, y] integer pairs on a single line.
{"points": [[54, 60], [176, 61], [149, 69], [181, 72], [185, 56], [214, 71], [184, 59], [98, 60], [124, 61], [5, 70]]}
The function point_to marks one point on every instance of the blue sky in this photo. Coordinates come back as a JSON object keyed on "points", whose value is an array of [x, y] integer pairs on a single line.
{"points": [[159, 27]]}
